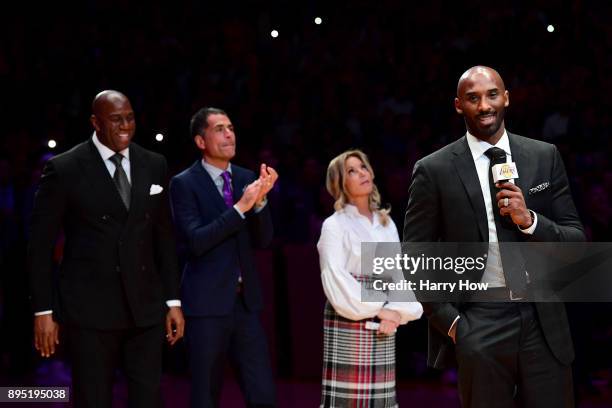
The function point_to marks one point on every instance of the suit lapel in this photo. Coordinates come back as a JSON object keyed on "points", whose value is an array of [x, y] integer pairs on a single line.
{"points": [[209, 187], [102, 185], [466, 169], [238, 184], [519, 157]]}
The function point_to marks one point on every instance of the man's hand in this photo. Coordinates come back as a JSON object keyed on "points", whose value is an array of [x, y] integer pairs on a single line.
{"points": [[175, 325], [249, 197], [267, 177], [516, 208], [453, 332], [46, 334]]}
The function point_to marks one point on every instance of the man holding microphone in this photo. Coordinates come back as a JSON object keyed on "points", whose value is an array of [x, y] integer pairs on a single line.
{"points": [[508, 351]]}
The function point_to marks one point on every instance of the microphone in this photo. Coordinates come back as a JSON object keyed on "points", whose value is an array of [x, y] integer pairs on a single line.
{"points": [[503, 172]]}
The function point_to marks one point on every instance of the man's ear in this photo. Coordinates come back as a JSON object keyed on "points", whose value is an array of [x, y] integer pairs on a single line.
{"points": [[507, 95], [94, 123], [199, 141], [458, 106]]}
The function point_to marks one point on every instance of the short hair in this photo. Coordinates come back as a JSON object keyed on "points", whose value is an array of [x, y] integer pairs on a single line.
{"points": [[336, 184], [199, 121]]}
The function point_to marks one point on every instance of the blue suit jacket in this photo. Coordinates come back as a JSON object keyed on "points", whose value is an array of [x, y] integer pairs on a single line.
{"points": [[217, 242]]}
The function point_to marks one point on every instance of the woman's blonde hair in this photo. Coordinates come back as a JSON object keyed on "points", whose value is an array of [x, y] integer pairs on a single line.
{"points": [[336, 184]]}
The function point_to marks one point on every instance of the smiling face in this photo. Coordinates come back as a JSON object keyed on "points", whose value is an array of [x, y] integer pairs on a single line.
{"points": [[357, 178], [113, 120], [482, 99], [217, 141]]}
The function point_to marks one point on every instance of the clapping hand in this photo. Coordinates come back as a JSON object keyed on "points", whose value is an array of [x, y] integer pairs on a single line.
{"points": [[267, 177]]}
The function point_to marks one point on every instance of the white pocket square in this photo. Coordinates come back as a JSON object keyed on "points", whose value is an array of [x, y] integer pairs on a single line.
{"points": [[538, 188], [155, 189]]}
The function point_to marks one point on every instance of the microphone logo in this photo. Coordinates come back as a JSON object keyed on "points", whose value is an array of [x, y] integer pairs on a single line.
{"points": [[504, 171]]}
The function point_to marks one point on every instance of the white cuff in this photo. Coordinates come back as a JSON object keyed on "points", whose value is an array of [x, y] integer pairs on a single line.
{"points": [[239, 212], [453, 325], [43, 312], [173, 303], [532, 228]]}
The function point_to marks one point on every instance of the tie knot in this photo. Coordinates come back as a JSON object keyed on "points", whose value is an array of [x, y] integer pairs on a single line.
{"points": [[496, 155], [116, 159], [227, 176]]}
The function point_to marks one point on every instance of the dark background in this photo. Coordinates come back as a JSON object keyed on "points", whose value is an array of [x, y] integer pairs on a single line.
{"points": [[380, 76]]}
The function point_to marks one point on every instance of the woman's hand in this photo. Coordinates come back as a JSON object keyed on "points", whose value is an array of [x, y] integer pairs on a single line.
{"points": [[388, 314], [387, 327]]}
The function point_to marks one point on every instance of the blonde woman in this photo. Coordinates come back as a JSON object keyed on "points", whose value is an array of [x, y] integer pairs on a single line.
{"points": [[358, 362]]}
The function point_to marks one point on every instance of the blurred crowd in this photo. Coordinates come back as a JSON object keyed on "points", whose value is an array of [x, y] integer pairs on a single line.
{"points": [[380, 76]]}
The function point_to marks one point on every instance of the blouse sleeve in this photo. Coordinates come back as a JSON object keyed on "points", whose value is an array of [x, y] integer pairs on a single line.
{"points": [[343, 291], [408, 310]]}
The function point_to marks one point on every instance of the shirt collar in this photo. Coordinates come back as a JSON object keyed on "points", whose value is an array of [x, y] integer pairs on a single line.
{"points": [[479, 147], [352, 211], [215, 172], [107, 153]]}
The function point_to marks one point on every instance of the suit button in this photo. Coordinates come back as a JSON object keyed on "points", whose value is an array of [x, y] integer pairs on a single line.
{"points": [[104, 217], [118, 268], [120, 242]]}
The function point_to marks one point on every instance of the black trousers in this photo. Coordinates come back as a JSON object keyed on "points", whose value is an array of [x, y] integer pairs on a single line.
{"points": [[240, 337], [96, 354], [504, 361]]}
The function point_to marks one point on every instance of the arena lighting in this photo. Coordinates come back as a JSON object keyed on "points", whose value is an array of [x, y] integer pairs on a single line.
{"points": [[318, 20], [550, 28], [52, 144], [159, 137], [274, 33]]}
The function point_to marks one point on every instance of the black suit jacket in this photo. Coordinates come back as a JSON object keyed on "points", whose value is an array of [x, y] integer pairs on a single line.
{"points": [[446, 204], [119, 266], [217, 241]]}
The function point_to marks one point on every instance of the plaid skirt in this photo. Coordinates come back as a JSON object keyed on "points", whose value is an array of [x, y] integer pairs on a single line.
{"points": [[358, 364]]}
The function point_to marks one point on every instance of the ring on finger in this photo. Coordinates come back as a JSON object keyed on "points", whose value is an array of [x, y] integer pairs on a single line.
{"points": [[506, 201]]}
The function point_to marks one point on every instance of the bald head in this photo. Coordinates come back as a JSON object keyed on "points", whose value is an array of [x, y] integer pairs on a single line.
{"points": [[482, 100], [473, 73], [113, 119], [107, 96]]}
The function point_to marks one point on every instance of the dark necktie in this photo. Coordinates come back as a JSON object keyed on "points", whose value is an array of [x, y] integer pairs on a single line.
{"points": [[511, 256], [227, 188], [121, 180]]}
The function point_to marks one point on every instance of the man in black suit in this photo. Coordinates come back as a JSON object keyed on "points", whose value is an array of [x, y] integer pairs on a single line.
{"points": [[118, 279], [221, 214], [508, 351]]}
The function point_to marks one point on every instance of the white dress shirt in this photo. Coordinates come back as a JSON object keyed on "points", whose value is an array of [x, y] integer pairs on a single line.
{"points": [[340, 260], [107, 153], [494, 272]]}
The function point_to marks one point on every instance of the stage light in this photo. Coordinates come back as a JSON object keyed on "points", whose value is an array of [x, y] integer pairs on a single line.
{"points": [[318, 20], [274, 33], [52, 144], [550, 28], [159, 137]]}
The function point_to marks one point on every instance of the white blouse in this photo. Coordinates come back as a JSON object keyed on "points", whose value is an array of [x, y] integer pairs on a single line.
{"points": [[340, 258]]}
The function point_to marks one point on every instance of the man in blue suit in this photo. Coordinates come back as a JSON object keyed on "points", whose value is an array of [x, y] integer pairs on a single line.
{"points": [[220, 213]]}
